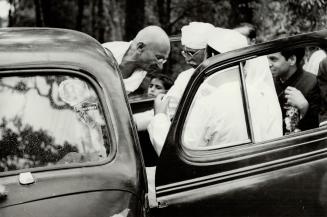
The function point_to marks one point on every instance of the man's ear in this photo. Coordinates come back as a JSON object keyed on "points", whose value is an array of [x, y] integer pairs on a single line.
{"points": [[140, 47], [292, 60]]}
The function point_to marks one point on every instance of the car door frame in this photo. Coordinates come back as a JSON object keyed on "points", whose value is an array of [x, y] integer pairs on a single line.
{"points": [[193, 170]]}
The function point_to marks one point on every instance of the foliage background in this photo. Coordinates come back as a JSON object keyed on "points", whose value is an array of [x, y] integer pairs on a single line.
{"points": [[108, 20]]}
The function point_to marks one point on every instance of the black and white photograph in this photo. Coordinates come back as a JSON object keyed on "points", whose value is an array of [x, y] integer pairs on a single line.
{"points": [[163, 108]]}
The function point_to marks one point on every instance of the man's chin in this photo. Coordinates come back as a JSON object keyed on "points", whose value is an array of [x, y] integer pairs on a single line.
{"points": [[193, 64]]}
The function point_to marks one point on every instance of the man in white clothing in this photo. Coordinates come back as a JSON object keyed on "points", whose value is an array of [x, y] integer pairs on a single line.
{"points": [[218, 119], [146, 53], [194, 41], [159, 126]]}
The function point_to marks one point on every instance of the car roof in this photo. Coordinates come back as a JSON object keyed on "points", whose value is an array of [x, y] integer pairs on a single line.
{"points": [[50, 47]]}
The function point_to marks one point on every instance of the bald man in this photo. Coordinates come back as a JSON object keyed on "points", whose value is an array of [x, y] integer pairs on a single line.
{"points": [[146, 53]]}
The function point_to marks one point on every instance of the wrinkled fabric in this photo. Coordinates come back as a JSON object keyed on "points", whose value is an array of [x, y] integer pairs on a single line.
{"points": [[313, 64], [195, 35], [158, 130], [265, 109], [224, 40], [142, 119], [218, 119], [119, 49], [159, 125]]}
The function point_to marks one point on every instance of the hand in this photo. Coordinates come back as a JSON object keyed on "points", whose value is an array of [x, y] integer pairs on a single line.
{"points": [[160, 104], [295, 98]]}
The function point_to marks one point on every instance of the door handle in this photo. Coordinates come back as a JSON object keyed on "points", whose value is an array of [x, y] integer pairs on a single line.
{"points": [[3, 193]]}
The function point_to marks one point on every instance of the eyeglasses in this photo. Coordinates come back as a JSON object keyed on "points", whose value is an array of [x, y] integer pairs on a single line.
{"points": [[190, 54], [161, 59]]}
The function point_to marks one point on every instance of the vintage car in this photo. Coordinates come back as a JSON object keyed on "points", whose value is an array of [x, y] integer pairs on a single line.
{"points": [[69, 145]]}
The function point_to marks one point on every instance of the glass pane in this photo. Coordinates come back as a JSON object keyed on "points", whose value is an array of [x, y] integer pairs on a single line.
{"points": [[216, 117], [47, 120]]}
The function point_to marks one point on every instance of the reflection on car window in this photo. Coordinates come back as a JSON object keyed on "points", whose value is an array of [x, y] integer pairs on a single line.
{"points": [[216, 117], [47, 120]]}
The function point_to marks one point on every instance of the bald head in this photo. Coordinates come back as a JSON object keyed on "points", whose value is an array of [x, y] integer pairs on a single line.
{"points": [[155, 37], [149, 49]]}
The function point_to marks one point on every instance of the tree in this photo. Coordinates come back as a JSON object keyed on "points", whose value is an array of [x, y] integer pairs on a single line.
{"points": [[275, 17], [23, 147], [134, 20], [39, 13], [80, 14]]}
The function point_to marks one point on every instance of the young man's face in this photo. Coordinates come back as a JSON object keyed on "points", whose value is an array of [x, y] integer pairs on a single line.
{"points": [[279, 66], [156, 87], [193, 57]]}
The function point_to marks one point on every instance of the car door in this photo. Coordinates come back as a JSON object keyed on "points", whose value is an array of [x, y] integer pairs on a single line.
{"points": [[57, 151], [238, 176]]}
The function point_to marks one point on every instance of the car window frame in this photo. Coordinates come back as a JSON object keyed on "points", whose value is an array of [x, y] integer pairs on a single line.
{"points": [[104, 101], [220, 62], [246, 109]]}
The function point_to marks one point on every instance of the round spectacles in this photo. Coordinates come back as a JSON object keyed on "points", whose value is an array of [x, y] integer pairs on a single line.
{"points": [[190, 54], [161, 60]]}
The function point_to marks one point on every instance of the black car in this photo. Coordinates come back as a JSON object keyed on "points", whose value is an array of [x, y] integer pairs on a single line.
{"points": [[69, 145]]}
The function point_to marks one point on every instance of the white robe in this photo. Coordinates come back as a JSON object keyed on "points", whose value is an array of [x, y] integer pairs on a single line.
{"points": [[265, 110], [266, 115], [142, 119], [218, 120], [119, 49], [159, 125], [313, 63]]}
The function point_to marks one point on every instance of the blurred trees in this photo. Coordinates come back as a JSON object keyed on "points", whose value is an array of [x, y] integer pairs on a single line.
{"points": [[275, 17], [23, 147], [108, 20]]}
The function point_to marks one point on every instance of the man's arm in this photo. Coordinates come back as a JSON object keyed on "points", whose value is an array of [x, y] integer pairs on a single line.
{"points": [[308, 106], [310, 120], [159, 125], [158, 130]]}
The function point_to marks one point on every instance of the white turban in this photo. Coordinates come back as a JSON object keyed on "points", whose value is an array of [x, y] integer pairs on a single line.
{"points": [[195, 35], [224, 40]]}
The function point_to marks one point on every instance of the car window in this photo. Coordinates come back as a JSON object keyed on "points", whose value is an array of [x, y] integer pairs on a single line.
{"points": [[49, 120], [281, 98], [217, 117]]}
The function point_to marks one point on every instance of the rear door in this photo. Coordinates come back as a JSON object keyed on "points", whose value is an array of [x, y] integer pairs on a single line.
{"points": [[58, 145], [238, 175]]}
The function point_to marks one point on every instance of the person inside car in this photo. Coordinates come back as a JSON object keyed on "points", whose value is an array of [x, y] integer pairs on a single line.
{"points": [[314, 57], [249, 31], [159, 84], [297, 90], [222, 40], [146, 53], [322, 83], [218, 119], [194, 41]]}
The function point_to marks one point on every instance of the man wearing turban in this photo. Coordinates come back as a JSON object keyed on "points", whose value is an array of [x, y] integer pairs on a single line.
{"points": [[194, 41], [218, 119]]}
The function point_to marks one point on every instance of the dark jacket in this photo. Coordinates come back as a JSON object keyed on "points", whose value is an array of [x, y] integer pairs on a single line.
{"points": [[322, 82], [306, 83]]}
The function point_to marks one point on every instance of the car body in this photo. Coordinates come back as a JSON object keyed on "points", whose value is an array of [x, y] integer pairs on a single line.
{"points": [[281, 177]]}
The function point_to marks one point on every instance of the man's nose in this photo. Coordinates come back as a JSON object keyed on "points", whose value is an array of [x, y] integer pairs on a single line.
{"points": [[160, 65], [151, 89], [187, 58]]}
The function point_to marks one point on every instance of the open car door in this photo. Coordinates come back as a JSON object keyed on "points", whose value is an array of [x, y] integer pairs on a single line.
{"points": [[242, 175]]}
